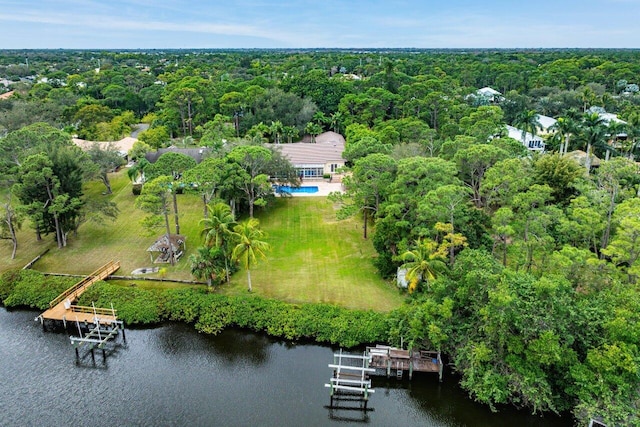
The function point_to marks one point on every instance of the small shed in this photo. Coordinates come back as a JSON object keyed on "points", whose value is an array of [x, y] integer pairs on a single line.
{"points": [[161, 249]]}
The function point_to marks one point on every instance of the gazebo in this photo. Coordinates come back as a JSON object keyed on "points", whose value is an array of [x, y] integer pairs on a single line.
{"points": [[162, 250]]}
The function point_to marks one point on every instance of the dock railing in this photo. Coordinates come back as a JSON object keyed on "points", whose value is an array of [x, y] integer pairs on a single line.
{"points": [[99, 274]]}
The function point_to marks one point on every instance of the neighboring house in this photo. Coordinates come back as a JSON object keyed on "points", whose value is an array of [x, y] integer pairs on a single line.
{"points": [[490, 94], [6, 95], [197, 154], [313, 160], [123, 146], [610, 117], [531, 142], [546, 122]]}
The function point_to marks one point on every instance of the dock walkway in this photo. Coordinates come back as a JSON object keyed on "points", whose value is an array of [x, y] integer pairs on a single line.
{"points": [[63, 309], [391, 359]]}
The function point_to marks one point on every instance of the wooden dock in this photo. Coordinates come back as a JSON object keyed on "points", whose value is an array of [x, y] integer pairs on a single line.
{"points": [[397, 361], [63, 309]]}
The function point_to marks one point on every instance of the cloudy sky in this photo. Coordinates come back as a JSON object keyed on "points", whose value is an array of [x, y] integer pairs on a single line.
{"points": [[132, 24]]}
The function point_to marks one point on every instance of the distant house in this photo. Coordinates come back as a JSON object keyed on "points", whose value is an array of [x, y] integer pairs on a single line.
{"points": [[197, 154], [123, 146], [546, 123], [531, 142], [490, 94], [313, 160], [610, 117]]}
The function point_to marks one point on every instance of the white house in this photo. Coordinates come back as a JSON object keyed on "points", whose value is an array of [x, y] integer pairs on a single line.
{"points": [[531, 142], [490, 94], [313, 160], [546, 122]]}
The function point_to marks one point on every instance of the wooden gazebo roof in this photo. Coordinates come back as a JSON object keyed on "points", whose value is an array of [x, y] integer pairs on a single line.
{"points": [[162, 244]]}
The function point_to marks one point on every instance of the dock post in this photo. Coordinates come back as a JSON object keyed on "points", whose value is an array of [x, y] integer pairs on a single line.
{"points": [[389, 368], [77, 353], [410, 369], [93, 356], [104, 355], [124, 337], [440, 370]]}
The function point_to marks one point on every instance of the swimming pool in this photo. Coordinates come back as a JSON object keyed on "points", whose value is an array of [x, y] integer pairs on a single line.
{"points": [[305, 189]]}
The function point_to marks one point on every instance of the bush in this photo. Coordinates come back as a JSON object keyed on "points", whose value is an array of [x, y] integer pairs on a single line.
{"points": [[35, 290], [134, 305], [209, 313], [8, 283]]}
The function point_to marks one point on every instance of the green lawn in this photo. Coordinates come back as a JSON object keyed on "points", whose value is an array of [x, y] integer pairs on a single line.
{"points": [[314, 257]]}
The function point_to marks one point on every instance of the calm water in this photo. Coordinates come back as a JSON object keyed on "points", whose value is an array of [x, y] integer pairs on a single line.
{"points": [[173, 376]]}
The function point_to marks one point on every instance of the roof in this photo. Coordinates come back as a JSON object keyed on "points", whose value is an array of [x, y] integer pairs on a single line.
{"points": [[581, 157], [328, 148], [123, 146], [6, 95], [516, 134], [488, 91], [545, 121], [610, 117], [162, 244], [197, 154]]}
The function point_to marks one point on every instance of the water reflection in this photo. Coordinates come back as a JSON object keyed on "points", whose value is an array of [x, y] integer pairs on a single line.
{"points": [[173, 376], [230, 348]]}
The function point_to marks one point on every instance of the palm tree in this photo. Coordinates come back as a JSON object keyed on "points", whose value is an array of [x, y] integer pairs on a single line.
{"points": [[314, 130], [616, 128], [421, 263], [249, 248], [136, 172], [336, 119], [276, 130], [527, 121], [218, 230], [290, 132], [593, 133], [205, 265], [565, 128]]}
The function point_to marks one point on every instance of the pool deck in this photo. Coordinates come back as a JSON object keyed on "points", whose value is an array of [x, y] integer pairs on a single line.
{"points": [[324, 188]]}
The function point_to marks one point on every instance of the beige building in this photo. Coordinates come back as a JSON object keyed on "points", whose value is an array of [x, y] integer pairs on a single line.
{"points": [[313, 160]]}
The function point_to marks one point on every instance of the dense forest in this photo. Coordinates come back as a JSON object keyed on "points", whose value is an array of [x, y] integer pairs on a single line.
{"points": [[523, 266]]}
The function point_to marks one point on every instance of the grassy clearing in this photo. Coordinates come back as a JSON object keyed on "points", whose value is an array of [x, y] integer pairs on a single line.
{"points": [[124, 239], [314, 257]]}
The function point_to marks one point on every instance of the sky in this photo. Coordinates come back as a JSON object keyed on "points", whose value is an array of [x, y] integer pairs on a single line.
{"points": [[147, 24]]}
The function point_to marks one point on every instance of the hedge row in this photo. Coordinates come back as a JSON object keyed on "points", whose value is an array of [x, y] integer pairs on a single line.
{"points": [[210, 313]]}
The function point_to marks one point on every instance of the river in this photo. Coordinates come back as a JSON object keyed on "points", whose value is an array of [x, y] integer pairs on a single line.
{"points": [[172, 376]]}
